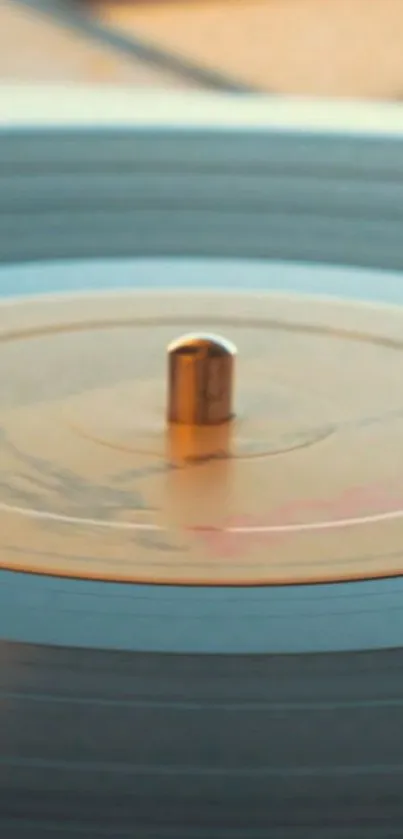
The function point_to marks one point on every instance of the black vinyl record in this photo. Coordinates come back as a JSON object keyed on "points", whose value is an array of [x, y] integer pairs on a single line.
{"points": [[228, 665]]}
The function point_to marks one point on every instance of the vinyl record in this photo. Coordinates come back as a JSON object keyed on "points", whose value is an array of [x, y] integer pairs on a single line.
{"points": [[201, 620]]}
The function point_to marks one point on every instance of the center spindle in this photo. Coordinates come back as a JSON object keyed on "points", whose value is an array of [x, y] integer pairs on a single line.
{"points": [[200, 380]]}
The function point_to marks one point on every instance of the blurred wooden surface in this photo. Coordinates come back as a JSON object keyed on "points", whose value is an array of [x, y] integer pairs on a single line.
{"points": [[36, 50], [341, 48], [350, 48]]}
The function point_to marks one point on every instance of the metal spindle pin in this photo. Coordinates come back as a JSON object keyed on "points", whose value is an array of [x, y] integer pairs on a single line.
{"points": [[200, 380]]}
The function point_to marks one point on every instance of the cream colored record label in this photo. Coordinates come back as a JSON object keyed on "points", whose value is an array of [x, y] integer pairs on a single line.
{"points": [[304, 484]]}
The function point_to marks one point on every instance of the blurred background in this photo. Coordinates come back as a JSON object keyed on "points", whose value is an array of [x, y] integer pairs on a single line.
{"points": [[326, 48]]}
